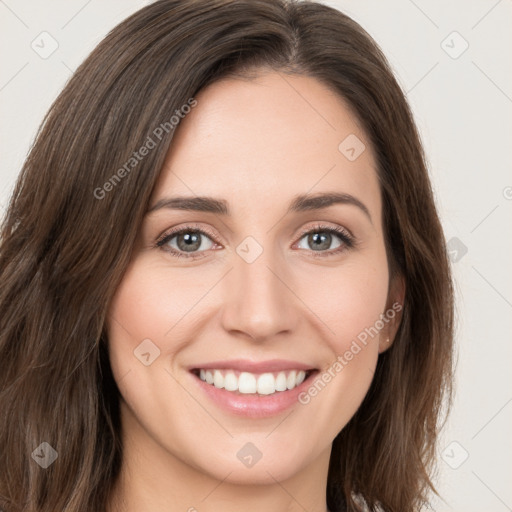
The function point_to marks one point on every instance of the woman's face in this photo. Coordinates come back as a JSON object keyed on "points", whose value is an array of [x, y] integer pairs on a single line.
{"points": [[267, 290]]}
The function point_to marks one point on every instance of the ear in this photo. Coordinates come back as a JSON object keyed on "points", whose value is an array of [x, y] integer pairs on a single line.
{"points": [[392, 316]]}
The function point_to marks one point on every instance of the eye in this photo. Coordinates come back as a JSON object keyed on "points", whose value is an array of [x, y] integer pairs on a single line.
{"points": [[186, 242], [320, 239], [192, 241]]}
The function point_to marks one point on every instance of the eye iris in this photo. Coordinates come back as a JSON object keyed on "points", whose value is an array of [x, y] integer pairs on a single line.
{"points": [[189, 241], [320, 241]]}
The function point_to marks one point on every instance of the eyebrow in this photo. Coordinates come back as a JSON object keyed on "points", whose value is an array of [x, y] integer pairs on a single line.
{"points": [[300, 203]]}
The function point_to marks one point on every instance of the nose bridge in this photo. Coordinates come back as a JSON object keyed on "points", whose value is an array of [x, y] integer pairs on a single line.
{"points": [[257, 300]]}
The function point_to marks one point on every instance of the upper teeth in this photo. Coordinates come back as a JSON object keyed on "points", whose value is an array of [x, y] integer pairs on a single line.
{"points": [[245, 382]]}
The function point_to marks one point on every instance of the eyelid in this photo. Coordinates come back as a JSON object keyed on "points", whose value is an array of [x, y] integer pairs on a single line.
{"points": [[320, 226], [161, 240]]}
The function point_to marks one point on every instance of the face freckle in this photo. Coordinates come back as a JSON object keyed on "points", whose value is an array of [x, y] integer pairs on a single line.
{"points": [[264, 293]]}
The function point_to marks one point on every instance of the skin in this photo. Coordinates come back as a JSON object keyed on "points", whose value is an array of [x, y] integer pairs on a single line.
{"points": [[255, 143]]}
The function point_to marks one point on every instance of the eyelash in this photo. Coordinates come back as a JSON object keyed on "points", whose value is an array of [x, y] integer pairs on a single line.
{"points": [[348, 241]]}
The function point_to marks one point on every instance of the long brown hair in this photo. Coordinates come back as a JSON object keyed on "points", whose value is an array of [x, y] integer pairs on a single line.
{"points": [[64, 248]]}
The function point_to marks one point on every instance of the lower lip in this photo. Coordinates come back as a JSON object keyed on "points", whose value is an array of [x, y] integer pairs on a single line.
{"points": [[252, 405]]}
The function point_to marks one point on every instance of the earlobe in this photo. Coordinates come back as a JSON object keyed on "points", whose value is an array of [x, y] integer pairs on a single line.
{"points": [[387, 335], [393, 313]]}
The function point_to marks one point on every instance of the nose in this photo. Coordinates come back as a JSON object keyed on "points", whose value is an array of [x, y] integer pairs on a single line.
{"points": [[258, 299]]}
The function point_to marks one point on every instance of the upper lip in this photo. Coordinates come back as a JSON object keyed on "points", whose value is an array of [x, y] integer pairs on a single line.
{"points": [[246, 365]]}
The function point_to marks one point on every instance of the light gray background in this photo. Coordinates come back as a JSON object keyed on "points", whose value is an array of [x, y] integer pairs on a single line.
{"points": [[462, 104]]}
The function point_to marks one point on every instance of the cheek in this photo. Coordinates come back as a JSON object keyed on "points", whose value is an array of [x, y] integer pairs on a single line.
{"points": [[334, 396], [150, 314], [151, 303], [145, 317], [350, 301]]}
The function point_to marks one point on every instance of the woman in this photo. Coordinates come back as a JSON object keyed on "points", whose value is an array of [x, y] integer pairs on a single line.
{"points": [[224, 279]]}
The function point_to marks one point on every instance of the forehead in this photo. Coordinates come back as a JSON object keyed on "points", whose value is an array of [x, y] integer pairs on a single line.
{"points": [[267, 139]]}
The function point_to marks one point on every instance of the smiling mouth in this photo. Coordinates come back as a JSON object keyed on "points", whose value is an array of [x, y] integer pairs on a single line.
{"points": [[248, 383]]}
